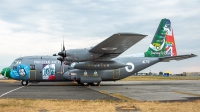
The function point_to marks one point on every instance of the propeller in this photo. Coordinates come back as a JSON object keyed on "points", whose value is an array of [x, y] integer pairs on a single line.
{"points": [[62, 55], [62, 52]]}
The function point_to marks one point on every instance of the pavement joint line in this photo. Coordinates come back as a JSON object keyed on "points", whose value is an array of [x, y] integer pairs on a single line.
{"points": [[11, 91]]}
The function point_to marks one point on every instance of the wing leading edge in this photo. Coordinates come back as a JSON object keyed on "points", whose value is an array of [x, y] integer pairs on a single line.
{"points": [[177, 58], [117, 44]]}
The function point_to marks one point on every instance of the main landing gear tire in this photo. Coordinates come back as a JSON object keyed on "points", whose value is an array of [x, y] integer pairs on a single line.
{"points": [[92, 84], [84, 84], [96, 83], [24, 83]]}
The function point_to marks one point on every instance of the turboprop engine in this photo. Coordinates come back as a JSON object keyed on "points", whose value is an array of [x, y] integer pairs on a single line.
{"points": [[78, 55], [97, 65]]}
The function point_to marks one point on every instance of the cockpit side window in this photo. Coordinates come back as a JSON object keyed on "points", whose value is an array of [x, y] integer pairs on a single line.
{"points": [[18, 61], [14, 67]]}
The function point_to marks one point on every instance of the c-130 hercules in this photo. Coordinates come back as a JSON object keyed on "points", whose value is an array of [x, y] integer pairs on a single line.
{"points": [[99, 63]]}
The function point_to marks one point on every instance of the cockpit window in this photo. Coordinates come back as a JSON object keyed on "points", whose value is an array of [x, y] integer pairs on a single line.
{"points": [[17, 61]]}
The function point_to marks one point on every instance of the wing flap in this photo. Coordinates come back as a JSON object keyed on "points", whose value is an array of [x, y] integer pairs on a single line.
{"points": [[177, 58]]}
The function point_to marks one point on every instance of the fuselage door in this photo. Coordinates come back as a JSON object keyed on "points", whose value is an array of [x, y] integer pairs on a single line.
{"points": [[32, 72], [116, 73]]}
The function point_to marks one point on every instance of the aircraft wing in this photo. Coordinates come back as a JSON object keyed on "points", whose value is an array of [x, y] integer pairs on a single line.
{"points": [[177, 58], [116, 44]]}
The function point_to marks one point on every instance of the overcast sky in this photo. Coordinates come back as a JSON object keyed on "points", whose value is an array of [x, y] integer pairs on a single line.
{"points": [[35, 27]]}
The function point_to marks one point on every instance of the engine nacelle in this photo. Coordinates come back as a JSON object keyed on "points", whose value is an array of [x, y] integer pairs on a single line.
{"points": [[80, 55]]}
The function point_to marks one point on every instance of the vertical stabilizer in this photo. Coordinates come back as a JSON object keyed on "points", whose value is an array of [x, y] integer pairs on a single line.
{"points": [[163, 43]]}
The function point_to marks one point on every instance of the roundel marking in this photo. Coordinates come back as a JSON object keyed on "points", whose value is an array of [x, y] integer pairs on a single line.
{"points": [[132, 67]]}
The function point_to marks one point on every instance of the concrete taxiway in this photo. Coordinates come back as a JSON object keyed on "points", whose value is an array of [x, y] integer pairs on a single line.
{"points": [[50, 90], [182, 90]]}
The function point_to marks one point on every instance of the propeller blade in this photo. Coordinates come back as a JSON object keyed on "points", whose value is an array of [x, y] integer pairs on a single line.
{"points": [[62, 53], [54, 54], [63, 44], [60, 59]]}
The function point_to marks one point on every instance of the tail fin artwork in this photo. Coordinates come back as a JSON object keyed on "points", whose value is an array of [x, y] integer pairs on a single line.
{"points": [[163, 43]]}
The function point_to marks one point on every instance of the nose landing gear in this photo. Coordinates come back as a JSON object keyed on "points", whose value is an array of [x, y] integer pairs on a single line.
{"points": [[24, 83]]}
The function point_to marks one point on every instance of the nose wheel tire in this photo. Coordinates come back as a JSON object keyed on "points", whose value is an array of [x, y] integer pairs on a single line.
{"points": [[24, 83]]}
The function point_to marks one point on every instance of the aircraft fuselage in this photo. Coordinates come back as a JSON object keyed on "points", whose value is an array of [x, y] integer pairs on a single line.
{"points": [[48, 68]]}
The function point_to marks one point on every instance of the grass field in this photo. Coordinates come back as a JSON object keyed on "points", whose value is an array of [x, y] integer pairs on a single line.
{"points": [[39, 105], [9, 81], [154, 78], [30, 105]]}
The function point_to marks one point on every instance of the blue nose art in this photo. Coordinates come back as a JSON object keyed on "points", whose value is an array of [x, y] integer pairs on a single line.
{"points": [[21, 72]]}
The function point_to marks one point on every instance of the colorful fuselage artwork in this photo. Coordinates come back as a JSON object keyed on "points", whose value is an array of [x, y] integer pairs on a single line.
{"points": [[48, 71], [21, 72], [163, 43]]}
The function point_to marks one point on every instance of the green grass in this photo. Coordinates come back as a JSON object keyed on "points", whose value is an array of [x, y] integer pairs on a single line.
{"points": [[38, 105], [153, 78]]}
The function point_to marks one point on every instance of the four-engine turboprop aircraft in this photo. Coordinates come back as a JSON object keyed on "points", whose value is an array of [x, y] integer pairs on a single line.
{"points": [[98, 63]]}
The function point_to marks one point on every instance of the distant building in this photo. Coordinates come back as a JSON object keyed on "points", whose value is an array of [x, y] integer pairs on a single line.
{"points": [[191, 73]]}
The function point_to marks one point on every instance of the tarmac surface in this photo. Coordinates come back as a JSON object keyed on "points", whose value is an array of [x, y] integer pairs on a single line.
{"points": [[182, 90]]}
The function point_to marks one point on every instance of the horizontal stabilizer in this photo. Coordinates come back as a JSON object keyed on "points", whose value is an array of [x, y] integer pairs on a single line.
{"points": [[177, 58]]}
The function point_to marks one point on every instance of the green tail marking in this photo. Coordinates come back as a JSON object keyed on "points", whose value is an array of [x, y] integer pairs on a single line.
{"points": [[159, 46]]}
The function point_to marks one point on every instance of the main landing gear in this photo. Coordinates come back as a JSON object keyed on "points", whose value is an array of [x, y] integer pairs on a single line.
{"points": [[92, 84], [24, 83]]}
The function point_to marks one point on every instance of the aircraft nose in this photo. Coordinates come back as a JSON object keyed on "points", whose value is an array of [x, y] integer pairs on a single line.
{"points": [[6, 72]]}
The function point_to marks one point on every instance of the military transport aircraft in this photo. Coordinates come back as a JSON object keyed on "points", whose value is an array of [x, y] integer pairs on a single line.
{"points": [[98, 63]]}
